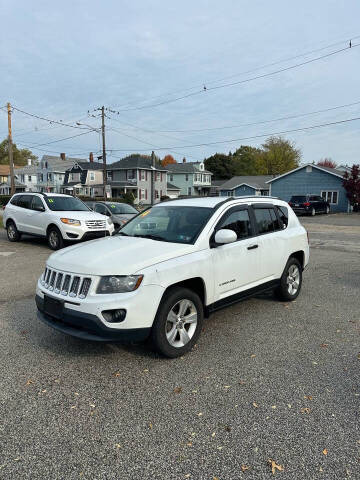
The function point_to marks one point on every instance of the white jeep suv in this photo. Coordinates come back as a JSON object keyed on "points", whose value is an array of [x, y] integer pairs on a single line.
{"points": [[54, 216], [171, 266]]}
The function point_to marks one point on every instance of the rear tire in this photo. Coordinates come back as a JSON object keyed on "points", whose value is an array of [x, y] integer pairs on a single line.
{"points": [[327, 211], [291, 281], [312, 212], [12, 232], [55, 239], [178, 322]]}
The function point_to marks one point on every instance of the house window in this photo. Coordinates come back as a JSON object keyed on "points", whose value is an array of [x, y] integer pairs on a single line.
{"points": [[156, 193], [330, 196], [157, 176], [109, 175], [189, 190], [186, 177], [142, 174], [92, 176], [49, 177], [41, 177], [309, 169], [131, 174], [29, 178], [229, 193], [142, 194], [22, 178], [171, 178]]}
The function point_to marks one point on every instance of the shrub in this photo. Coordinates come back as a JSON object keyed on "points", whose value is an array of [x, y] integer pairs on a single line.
{"points": [[4, 199]]}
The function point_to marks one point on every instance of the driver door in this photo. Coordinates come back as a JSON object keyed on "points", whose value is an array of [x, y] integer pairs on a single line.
{"points": [[236, 265]]}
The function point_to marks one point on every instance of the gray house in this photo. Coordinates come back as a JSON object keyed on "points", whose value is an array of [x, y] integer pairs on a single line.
{"points": [[51, 172], [27, 175], [190, 177], [314, 180], [246, 185], [133, 174]]}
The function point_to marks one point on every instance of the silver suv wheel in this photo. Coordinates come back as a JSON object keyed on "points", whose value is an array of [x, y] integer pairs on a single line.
{"points": [[181, 323], [293, 279]]}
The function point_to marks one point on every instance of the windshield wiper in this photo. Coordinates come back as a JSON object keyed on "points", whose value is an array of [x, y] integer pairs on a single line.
{"points": [[153, 237]]}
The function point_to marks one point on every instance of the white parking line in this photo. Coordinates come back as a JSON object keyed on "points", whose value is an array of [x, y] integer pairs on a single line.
{"points": [[6, 254]]}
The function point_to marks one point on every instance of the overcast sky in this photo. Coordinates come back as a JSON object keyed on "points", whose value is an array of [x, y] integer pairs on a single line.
{"points": [[61, 59]]}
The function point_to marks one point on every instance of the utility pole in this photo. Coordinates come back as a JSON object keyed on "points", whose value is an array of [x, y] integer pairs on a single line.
{"points": [[10, 151], [152, 178], [103, 149]]}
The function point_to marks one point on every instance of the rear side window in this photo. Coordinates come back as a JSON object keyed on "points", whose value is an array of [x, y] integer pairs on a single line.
{"points": [[14, 200], [24, 201], [239, 222], [266, 220], [283, 214]]}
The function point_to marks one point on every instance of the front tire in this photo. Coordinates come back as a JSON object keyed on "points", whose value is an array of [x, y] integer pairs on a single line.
{"points": [[55, 239], [291, 281], [178, 322], [12, 232]]}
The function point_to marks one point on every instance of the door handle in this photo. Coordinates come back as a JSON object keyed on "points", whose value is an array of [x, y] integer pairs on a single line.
{"points": [[252, 247]]}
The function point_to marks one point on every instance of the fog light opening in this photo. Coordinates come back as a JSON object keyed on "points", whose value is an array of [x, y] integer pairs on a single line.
{"points": [[114, 316]]}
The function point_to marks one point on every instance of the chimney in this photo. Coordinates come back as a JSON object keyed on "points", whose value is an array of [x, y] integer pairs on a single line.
{"points": [[91, 157], [29, 162], [62, 156], [184, 160]]}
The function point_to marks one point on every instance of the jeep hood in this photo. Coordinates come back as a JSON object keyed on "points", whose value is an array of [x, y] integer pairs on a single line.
{"points": [[115, 255]]}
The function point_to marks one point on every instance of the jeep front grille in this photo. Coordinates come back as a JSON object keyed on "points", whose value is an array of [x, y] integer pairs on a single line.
{"points": [[65, 284]]}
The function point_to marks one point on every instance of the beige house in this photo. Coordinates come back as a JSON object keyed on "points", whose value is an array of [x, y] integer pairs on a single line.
{"points": [[84, 178]]}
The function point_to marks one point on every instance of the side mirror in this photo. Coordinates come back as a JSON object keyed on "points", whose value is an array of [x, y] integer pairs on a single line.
{"points": [[225, 236]]}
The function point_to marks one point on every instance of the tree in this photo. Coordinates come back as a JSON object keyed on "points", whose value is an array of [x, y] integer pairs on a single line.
{"points": [[351, 183], [246, 160], [327, 162], [20, 157], [168, 160], [221, 165], [279, 156]]}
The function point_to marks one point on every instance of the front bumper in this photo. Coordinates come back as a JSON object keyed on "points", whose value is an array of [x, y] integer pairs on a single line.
{"points": [[87, 326]]}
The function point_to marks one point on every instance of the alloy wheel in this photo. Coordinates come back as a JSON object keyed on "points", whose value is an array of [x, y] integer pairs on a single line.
{"points": [[11, 231], [181, 323], [53, 239], [293, 279]]}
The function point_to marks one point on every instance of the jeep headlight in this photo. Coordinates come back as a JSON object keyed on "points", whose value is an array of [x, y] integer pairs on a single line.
{"points": [[119, 283], [109, 221]]}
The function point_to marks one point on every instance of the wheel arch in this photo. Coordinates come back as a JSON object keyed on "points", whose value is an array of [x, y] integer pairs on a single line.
{"points": [[300, 256], [195, 284], [10, 220], [52, 225]]}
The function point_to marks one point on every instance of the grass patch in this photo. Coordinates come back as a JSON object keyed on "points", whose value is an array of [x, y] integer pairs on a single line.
{"points": [[1, 222]]}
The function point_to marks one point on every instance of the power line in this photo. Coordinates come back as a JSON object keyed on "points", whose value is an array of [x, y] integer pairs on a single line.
{"points": [[206, 89], [62, 139], [260, 122], [52, 151], [47, 119], [249, 138]]}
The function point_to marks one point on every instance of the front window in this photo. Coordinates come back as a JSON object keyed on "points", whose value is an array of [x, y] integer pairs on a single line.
{"points": [[330, 196], [169, 224], [239, 222], [62, 204]]}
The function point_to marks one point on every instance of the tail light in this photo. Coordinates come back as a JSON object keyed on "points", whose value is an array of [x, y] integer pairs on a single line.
{"points": [[290, 204], [306, 204]]}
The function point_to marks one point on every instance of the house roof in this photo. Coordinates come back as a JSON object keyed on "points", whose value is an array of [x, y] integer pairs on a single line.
{"points": [[59, 165], [254, 181], [27, 170], [5, 169], [139, 161], [332, 171], [89, 165], [187, 167], [170, 186]]}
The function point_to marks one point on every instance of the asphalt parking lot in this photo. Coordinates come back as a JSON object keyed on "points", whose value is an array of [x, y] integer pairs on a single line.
{"points": [[267, 381]]}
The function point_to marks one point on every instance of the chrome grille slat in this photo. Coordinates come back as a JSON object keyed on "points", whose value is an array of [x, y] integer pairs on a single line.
{"points": [[74, 286], [65, 284]]}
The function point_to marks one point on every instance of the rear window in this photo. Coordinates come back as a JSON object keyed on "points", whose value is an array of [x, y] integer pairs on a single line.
{"points": [[14, 200], [298, 199], [283, 214]]}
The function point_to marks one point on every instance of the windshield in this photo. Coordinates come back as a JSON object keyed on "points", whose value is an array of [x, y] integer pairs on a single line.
{"points": [[121, 208], [298, 198], [69, 204], [168, 224]]}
